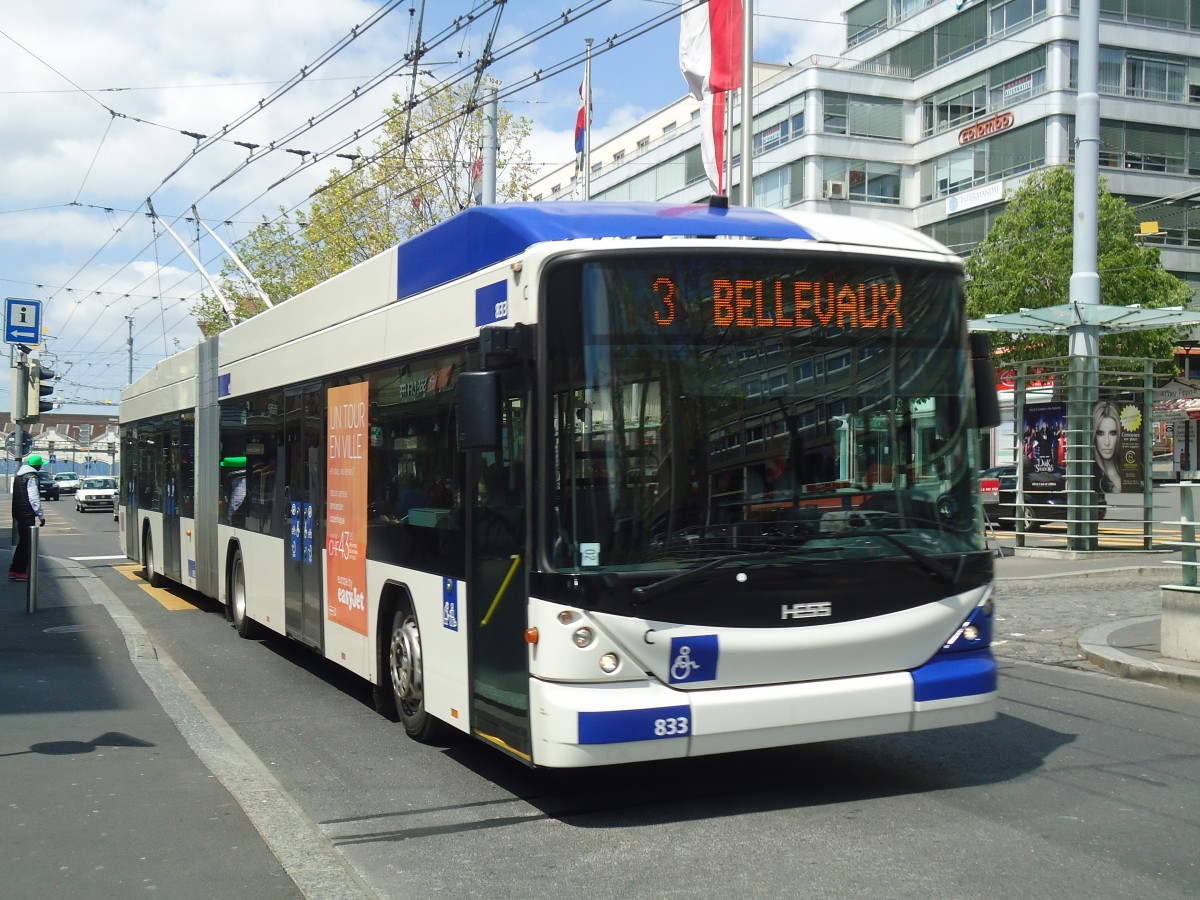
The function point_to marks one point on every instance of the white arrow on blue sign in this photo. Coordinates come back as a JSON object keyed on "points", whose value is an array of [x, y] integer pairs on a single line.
{"points": [[22, 321]]}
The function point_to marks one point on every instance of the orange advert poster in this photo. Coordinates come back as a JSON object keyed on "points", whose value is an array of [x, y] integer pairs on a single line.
{"points": [[346, 502]]}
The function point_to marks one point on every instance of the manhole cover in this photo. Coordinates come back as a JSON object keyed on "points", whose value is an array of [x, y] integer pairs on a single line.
{"points": [[64, 629]]}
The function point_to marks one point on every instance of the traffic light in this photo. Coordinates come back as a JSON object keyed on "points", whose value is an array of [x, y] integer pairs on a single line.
{"points": [[38, 388]]}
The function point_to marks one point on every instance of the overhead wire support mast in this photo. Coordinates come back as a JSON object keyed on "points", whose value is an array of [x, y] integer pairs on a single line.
{"points": [[226, 304], [237, 260]]}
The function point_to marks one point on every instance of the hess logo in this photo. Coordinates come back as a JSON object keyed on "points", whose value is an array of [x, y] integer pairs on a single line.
{"points": [[819, 610]]}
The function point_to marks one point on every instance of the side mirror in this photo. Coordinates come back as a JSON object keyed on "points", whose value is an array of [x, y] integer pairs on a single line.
{"points": [[478, 395], [983, 370]]}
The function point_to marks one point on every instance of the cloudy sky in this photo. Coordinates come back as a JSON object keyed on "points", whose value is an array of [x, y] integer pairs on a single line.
{"points": [[102, 103]]}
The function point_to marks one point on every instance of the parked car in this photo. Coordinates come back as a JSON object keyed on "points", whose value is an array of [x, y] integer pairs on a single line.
{"points": [[47, 486], [68, 482], [1003, 510], [96, 493], [1040, 506]]}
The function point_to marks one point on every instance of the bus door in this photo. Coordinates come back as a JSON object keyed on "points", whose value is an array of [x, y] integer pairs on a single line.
{"points": [[170, 504], [304, 499], [497, 587]]}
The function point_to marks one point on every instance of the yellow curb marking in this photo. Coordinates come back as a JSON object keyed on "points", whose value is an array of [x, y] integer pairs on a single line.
{"points": [[164, 597]]}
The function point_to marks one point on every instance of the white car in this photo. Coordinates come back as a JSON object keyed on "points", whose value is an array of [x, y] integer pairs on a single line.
{"points": [[68, 482], [96, 493]]}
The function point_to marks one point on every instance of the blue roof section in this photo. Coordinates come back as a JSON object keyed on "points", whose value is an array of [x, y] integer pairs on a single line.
{"points": [[483, 235]]}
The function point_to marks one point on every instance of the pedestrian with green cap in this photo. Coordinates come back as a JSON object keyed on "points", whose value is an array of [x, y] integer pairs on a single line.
{"points": [[26, 509]]}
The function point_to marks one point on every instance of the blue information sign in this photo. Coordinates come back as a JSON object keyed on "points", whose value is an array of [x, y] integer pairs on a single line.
{"points": [[22, 321]]}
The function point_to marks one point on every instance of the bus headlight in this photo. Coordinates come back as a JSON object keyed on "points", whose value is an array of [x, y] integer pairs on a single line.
{"points": [[583, 637]]}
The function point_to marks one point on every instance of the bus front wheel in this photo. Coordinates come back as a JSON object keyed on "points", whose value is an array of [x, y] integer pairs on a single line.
{"points": [[407, 673]]}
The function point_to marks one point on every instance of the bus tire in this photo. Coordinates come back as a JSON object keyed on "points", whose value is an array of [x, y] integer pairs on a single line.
{"points": [[246, 627], [154, 578], [406, 672]]}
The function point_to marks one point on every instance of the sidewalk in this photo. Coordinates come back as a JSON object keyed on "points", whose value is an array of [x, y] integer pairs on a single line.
{"points": [[117, 779], [103, 796], [1129, 648]]}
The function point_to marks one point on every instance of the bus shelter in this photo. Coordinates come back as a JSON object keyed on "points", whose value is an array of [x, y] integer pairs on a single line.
{"points": [[1084, 456], [1089, 434]]}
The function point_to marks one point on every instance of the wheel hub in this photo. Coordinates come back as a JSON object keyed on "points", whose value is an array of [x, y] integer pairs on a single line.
{"points": [[406, 663]]}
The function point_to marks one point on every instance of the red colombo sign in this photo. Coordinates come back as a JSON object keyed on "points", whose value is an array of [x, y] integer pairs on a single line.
{"points": [[997, 123]]}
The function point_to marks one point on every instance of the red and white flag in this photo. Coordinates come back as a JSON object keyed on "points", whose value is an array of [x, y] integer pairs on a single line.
{"points": [[710, 56], [477, 180]]}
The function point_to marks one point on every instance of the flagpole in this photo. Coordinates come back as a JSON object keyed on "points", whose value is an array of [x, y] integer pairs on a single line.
{"points": [[587, 122], [747, 102], [727, 138]]}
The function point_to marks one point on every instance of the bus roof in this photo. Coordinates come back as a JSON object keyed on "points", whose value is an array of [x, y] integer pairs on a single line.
{"points": [[484, 235]]}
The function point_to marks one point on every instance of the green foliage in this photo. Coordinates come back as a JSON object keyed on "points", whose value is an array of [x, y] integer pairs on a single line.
{"points": [[417, 174], [1026, 259]]}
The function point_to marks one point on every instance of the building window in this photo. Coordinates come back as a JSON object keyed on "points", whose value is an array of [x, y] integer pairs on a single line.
{"points": [[643, 143], [959, 170], [618, 156], [963, 102], [866, 181], [668, 128], [835, 112], [772, 189], [1156, 79], [863, 116], [1008, 15], [779, 125], [1143, 148], [1141, 75], [965, 32]]}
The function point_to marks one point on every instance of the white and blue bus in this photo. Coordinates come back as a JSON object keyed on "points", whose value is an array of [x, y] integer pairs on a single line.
{"points": [[598, 482]]}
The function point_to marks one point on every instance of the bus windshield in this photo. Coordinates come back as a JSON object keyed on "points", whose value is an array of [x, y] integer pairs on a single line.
{"points": [[706, 404]]}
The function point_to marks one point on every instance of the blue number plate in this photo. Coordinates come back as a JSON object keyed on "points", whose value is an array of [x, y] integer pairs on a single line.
{"points": [[620, 726]]}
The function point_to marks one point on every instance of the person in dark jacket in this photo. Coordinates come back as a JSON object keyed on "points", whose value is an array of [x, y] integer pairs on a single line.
{"points": [[26, 509]]}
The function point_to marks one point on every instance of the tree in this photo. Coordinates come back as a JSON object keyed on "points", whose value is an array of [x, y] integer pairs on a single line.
{"points": [[1026, 259], [419, 173]]}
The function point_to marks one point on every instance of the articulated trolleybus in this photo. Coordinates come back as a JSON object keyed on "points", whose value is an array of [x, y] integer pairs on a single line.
{"points": [[598, 482]]}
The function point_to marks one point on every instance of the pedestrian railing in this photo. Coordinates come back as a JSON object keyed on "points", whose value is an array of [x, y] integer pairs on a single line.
{"points": [[1189, 493]]}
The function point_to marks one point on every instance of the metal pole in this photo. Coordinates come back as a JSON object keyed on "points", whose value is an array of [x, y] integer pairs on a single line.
{"points": [[747, 102], [129, 319], [587, 122], [1084, 377], [31, 597], [491, 137]]}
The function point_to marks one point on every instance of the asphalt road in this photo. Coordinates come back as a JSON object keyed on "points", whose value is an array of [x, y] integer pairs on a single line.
{"points": [[1084, 783]]}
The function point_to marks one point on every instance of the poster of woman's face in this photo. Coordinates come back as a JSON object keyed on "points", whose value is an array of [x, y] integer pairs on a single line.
{"points": [[1116, 448]]}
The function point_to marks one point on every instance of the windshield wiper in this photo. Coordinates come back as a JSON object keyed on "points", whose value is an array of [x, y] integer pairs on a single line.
{"points": [[646, 593], [931, 565], [948, 576]]}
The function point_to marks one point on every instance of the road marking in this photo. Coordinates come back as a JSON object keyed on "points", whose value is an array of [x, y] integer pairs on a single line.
{"points": [[165, 598], [97, 558]]}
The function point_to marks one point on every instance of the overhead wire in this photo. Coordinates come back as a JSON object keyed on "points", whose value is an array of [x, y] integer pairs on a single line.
{"points": [[416, 56]]}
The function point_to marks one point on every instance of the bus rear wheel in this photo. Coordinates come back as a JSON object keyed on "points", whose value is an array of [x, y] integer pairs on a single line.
{"points": [[153, 577], [406, 670], [246, 627]]}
